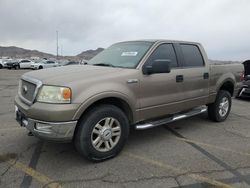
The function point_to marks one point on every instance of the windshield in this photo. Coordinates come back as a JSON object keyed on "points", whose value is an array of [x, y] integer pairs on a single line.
{"points": [[125, 54]]}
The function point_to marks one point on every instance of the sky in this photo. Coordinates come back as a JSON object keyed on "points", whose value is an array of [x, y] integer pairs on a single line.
{"points": [[222, 26]]}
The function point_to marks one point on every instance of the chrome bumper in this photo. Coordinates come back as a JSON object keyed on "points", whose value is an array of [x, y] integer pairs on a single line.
{"points": [[245, 92], [54, 131]]}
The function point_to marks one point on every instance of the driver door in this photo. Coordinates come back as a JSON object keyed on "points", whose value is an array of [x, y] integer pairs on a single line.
{"points": [[161, 93]]}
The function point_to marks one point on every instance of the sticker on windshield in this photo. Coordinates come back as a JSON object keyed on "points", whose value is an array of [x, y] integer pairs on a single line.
{"points": [[129, 53]]}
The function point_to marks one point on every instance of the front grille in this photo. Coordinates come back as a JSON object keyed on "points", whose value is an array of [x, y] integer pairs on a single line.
{"points": [[27, 90]]}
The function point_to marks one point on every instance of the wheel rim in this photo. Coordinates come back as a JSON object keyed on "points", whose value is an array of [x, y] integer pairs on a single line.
{"points": [[224, 106], [106, 134]]}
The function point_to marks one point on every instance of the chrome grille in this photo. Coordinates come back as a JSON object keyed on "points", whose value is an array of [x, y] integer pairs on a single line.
{"points": [[28, 88]]}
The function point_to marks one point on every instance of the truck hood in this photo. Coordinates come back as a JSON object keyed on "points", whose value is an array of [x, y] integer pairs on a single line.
{"points": [[66, 74]]}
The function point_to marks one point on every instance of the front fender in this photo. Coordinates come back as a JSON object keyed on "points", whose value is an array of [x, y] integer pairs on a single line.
{"points": [[107, 94]]}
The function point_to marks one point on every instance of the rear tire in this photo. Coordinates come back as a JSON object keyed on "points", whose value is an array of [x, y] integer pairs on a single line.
{"points": [[102, 132], [40, 67], [1, 66], [220, 109]]}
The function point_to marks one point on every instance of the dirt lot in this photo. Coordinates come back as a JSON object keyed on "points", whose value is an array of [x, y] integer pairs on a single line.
{"points": [[190, 153]]}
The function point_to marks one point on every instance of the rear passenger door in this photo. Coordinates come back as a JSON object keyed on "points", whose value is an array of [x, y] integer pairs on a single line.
{"points": [[195, 75]]}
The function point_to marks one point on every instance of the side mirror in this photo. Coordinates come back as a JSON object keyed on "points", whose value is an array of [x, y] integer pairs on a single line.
{"points": [[158, 66]]}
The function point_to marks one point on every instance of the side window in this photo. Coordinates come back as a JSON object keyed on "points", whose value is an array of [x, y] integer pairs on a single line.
{"points": [[192, 55], [166, 52]]}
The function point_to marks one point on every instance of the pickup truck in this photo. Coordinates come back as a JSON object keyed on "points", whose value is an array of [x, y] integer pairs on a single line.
{"points": [[139, 84]]}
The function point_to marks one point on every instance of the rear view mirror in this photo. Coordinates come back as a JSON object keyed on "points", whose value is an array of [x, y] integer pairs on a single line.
{"points": [[158, 66]]}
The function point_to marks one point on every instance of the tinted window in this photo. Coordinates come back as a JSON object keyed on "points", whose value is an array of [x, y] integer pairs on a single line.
{"points": [[50, 62], [72, 63], [164, 52], [192, 55], [25, 61]]}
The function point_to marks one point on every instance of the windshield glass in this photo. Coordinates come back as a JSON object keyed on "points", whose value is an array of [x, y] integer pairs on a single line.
{"points": [[125, 54]]}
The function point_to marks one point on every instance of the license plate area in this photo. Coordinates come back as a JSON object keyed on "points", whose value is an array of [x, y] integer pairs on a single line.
{"points": [[20, 118]]}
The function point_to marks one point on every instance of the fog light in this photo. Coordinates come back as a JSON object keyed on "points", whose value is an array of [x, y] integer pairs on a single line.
{"points": [[43, 127]]}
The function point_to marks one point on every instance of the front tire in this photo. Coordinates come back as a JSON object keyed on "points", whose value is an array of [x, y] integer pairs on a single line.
{"points": [[102, 133], [220, 109]]}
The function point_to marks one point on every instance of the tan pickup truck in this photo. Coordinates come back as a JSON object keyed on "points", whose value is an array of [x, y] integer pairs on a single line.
{"points": [[135, 83]]}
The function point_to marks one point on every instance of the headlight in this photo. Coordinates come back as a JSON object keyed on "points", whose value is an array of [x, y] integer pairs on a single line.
{"points": [[54, 94]]}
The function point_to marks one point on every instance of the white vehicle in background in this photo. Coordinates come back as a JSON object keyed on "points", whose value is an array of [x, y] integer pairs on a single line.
{"points": [[44, 64], [25, 64], [84, 62], [3, 62]]}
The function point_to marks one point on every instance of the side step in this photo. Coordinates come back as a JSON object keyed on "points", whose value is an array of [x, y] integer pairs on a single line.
{"points": [[173, 118]]}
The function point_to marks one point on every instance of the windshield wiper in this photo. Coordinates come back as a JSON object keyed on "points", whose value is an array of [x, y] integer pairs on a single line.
{"points": [[104, 64]]}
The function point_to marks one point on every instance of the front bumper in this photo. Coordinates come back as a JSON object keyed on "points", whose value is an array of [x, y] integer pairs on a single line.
{"points": [[54, 131], [244, 92]]}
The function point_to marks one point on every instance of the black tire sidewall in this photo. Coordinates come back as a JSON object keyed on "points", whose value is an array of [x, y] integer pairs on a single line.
{"points": [[83, 135]]}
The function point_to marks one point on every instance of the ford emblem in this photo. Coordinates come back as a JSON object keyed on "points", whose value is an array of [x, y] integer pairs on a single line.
{"points": [[25, 89]]}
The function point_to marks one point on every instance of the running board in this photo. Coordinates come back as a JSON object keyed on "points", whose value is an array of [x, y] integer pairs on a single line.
{"points": [[173, 118]]}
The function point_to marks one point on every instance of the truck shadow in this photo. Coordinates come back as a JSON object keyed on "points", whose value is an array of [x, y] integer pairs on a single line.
{"points": [[61, 152]]}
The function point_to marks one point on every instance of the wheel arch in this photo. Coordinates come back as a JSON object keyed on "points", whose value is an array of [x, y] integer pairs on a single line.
{"points": [[119, 101], [227, 85]]}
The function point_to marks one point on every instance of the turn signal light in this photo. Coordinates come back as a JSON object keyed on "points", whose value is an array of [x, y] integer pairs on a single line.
{"points": [[66, 93]]}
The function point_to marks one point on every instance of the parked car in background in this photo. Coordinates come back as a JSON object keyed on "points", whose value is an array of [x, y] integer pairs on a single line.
{"points": [[24, 64], [3, 63], [12, 64], [44, 64], [245, 90], [72, 63], [84, 62]]}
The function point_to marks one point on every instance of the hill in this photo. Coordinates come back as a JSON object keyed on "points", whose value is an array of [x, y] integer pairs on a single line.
{"points": [[89, 53], [16, 52]]}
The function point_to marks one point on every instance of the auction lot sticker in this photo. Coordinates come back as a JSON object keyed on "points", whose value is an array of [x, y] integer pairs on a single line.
{"points": [[129, 53]]}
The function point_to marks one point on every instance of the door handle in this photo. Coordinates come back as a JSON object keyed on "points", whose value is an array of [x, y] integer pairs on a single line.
{"points": [[179, 78], [206, 75]]}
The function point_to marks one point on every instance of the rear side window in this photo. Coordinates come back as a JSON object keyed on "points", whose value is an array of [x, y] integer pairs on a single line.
{"points": [[164, 52], [25, 61], [192, 55]]}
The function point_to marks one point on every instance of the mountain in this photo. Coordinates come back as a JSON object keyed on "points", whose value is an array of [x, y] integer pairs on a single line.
{"points": [[15, 52], [89, 53]]}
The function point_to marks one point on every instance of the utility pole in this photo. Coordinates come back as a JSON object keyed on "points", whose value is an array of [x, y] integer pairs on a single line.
{"points": [[61, 50], [57, 48]]}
